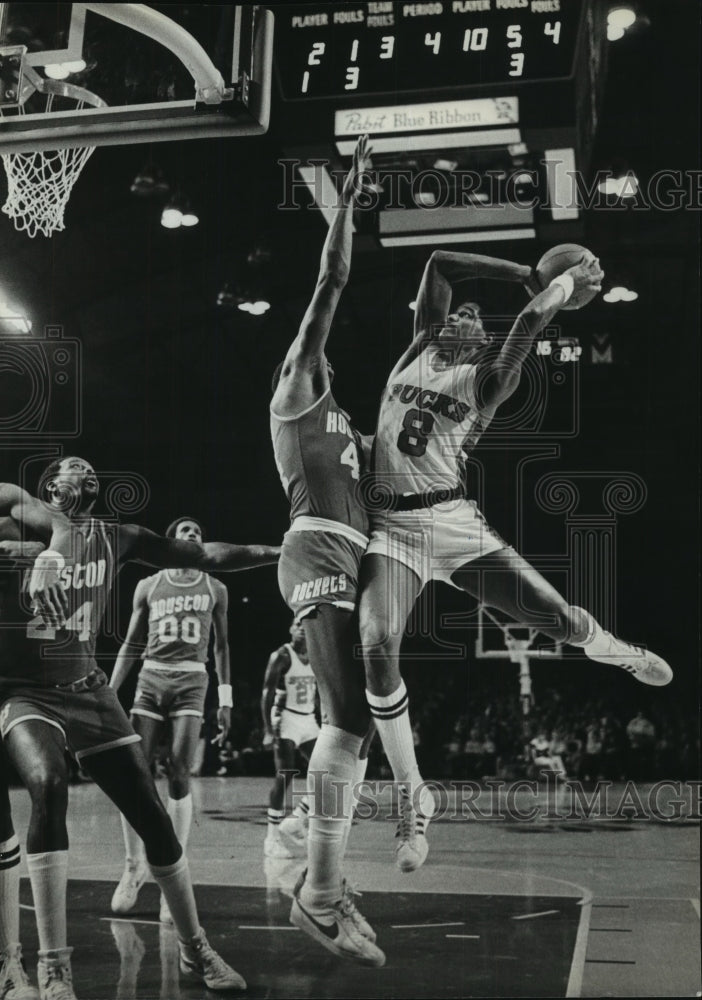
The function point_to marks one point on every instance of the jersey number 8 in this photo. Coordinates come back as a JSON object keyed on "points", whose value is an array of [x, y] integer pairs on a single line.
{"points": [[414, 438]]}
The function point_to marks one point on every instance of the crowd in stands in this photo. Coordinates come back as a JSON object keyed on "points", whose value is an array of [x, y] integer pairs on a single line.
{"points": [[490, 736]]}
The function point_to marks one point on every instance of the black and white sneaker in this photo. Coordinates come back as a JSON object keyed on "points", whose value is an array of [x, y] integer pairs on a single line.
{"points": [[14, 981], [337, 928], [641, 663], [199, 961]]}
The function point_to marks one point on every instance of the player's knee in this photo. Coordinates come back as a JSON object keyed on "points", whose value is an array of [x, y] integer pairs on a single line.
{"points": [[46, 785], [377, 639], [179, 779]]}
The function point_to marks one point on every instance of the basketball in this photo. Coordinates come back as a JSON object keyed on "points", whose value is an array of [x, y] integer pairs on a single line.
{"points": [[557, 260]]}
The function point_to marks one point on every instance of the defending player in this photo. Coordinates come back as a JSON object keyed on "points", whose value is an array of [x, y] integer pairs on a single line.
{"points": [[288, 710], [174, 612], [440, 397], [53, 694], [318, 454]]}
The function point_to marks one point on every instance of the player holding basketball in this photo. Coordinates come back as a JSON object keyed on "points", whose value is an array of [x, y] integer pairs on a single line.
{"points": [[440, 397], [53, 694], [318, 455], [288, 710], [174, 612]]}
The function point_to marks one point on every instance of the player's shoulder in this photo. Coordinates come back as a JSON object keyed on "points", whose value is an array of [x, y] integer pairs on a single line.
{"points": [[147, 583], [218, 588]]}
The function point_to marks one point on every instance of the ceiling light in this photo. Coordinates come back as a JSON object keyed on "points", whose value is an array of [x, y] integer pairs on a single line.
{"points": [[171, 217], [259, 307], [618, 293], [413, 305], [621, 17], [189, 219], [614, 33]]}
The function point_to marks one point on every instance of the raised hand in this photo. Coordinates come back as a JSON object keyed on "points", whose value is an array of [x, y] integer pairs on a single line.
{"points": [[360, 173], [587, 275]]}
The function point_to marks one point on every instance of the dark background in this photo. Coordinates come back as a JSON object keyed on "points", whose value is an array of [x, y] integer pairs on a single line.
{"points": [[176, 388]]}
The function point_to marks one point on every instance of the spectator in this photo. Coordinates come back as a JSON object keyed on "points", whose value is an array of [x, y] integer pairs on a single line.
{"points": [[641, 734]]}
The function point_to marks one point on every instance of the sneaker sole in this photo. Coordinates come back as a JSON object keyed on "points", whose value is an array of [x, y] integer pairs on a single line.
{"points": [[300, 920]]}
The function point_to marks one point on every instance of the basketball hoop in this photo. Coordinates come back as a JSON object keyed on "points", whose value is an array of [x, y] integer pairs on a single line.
{"points": [[39, 184]]}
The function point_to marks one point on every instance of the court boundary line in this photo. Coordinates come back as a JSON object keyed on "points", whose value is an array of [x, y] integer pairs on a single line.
{"points": [[577, 965]]}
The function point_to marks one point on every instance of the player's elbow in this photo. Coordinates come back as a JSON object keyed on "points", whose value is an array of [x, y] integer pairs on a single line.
{"points": [[335, 272], [534, 316]]}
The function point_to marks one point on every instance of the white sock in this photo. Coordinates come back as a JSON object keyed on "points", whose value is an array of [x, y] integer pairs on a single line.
{"points": [[274, 818], [181, 813], [133, 844], [48, 874], [391, 716], [595, 637], [329, 778], [302, 809], [9, 893], [175, 884]]}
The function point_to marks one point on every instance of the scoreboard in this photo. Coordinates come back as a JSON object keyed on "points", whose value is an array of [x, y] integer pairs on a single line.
{"points": [[488, 87], [338, 50]]}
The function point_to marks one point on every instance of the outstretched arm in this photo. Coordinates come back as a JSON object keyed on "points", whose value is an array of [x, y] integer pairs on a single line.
{"points": [[498, 379], [135, 639], [141, 545], [304, 377], [138, 544]]}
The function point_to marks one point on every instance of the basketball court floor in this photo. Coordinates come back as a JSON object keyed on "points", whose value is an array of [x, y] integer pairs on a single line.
{"points": [[547, 908]]}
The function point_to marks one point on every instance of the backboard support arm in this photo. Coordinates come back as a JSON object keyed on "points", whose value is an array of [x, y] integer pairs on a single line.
{"points": [[209, 84]]}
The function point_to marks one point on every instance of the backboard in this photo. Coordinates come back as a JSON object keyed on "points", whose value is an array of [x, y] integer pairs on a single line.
{"points": [[159, 71]]}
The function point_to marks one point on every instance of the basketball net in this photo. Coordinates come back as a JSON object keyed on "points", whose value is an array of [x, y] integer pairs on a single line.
{"points": [[39, 186], [39, 183]]}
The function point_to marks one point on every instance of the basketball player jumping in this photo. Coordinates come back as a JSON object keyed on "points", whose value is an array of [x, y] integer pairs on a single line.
{"points": [[53, 694], [318, 454], [173, 615], [288, 710], [440, 397]]}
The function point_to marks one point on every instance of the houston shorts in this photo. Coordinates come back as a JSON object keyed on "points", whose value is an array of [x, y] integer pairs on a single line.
{"points": [[318, 567], [298, 727], [87, 712], [168, 693], [435, 541]]}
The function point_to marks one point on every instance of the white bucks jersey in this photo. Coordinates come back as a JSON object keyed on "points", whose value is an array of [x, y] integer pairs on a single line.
{"points": [[428, 423]]}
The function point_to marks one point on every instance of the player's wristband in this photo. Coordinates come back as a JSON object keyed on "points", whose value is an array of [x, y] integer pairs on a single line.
{"points": [[565, 282], [225, 696]]}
